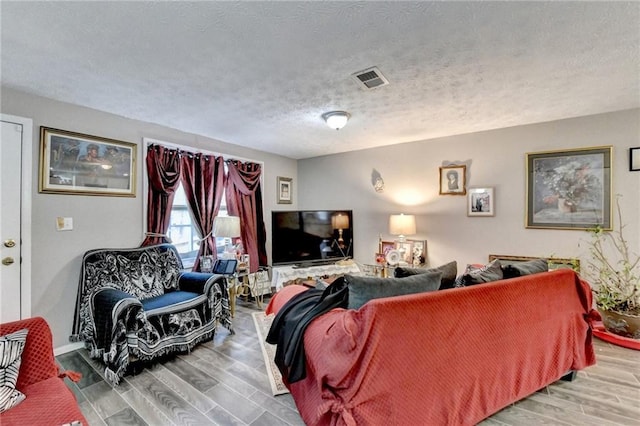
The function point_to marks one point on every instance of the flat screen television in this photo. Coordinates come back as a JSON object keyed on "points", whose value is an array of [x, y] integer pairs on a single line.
{"points": [[310, 237]]}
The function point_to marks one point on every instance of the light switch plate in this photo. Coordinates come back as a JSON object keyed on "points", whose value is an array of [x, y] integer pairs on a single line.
{"points": [[64, 223]]}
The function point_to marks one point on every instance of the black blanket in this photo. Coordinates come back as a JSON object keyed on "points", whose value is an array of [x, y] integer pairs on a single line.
{"points": [[287, 329]]}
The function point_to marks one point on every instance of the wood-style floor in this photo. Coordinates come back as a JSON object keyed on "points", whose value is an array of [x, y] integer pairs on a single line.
{"points": [[223, 382]]}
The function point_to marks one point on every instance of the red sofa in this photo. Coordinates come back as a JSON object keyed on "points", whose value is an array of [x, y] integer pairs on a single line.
{"points": [[450, 357], [48, 399]]}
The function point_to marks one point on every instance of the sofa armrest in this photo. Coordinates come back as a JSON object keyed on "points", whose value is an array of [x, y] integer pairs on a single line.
{"points": [[38, 362], [199, 282], [110, 305]]}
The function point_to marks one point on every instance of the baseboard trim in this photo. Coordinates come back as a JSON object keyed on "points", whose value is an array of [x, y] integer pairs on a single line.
{"points": [[68, 348]]}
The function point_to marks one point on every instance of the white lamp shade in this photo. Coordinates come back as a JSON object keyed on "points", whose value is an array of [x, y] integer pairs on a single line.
{"points": [[226, 226], [336, 119], [402, 224], [340, 221]]}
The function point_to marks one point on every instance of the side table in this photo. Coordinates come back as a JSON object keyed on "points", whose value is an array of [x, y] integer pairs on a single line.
{"points": [[245, 283]]}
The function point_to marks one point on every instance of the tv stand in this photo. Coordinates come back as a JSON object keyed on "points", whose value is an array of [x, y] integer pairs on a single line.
{"points": [[315, 263], [282, 274]]}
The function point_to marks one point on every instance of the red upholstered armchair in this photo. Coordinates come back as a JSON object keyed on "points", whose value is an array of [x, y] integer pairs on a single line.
{"points": [[48, 399]]}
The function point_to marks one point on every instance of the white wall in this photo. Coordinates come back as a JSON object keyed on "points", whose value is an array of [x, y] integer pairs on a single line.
{"points": [[494, 158], [101, 221]]}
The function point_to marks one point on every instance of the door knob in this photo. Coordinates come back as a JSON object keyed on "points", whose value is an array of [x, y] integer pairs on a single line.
{"points": [[9, 243], [7, 261]]}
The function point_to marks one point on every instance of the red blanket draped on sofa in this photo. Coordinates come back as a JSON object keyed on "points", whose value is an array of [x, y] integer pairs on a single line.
{"points": [[447, 357]]}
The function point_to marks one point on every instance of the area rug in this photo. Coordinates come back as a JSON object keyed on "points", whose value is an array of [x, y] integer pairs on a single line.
{"points": [[263, 323]]}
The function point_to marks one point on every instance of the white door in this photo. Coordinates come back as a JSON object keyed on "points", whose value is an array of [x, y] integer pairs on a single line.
{"points": [[15, 218]]}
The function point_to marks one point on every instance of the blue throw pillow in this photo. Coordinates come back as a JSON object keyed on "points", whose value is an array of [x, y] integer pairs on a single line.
{"points": [[363, 289]]}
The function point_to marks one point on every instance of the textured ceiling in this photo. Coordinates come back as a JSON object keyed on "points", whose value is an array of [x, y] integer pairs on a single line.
{"points": [[260, 74]]}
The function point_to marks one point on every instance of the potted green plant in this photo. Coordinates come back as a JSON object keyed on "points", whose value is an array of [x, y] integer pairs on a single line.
{"points": [[614, 272]]}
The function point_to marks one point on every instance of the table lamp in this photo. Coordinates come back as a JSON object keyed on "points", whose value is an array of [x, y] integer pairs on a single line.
{"points": [[402, 225], [227, 227], [340, 221]]}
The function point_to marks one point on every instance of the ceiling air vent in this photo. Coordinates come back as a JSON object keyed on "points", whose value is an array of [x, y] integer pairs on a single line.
{"points": [[370, 78]]}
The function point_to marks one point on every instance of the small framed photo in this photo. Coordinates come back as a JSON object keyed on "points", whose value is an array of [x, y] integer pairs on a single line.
{"points": [[634, 159], [285, 187], [78, 164], [452, 180], [480, 202], [419, 256], [386, 247], [405, 248]]}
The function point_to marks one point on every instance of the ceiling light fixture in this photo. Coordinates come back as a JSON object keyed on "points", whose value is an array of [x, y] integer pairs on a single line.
{"points": [[336, 119]]}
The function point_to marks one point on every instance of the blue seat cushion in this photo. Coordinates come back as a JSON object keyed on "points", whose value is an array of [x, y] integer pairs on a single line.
{"points": [[168, 299]]}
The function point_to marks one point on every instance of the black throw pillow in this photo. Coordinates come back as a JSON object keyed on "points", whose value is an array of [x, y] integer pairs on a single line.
{"points": [[449, 272], [488, 273], [520, 269]]}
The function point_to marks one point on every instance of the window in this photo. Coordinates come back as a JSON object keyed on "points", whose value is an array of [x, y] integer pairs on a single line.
{"points": [[183, 233]]}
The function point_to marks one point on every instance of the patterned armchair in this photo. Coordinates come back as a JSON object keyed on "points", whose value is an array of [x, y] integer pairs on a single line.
{"points": [[137, 304]]}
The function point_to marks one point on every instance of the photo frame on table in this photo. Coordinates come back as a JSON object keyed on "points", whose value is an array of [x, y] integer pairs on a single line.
{"points": [[285, 190], [386, 246], [554, 262], [419, 255], [634, 159], [453, 180], [569, 189], [480, 201], [406, 250], [78, 164]]}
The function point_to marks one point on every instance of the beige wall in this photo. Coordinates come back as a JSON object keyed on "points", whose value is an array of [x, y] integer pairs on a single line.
{"points": [[101, 221], [494, 158]]}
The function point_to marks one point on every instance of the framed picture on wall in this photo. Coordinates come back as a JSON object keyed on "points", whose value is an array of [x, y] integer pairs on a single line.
{"points": [[78, 164], [452, 180], [285, 188], [634, 159], [480, 202], [569, 189]]}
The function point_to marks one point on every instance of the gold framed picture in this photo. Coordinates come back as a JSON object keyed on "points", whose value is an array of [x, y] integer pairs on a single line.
{"points": [[453, 180], [554, 262], [569, 189], [78, 164]]}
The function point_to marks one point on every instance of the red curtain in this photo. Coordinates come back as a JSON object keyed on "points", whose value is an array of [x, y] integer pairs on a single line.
{"points": [[244, 199], [163, 169], [203, 182]]}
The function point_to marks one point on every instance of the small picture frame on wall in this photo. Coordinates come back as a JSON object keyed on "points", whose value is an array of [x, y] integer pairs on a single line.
{"points": [[452, 180], [634, 159], [285, 189], [78, 164], [480, 202]]}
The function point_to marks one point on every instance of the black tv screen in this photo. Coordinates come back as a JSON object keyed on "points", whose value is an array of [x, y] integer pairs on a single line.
{"points": [[311, 236]]}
